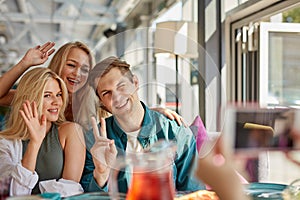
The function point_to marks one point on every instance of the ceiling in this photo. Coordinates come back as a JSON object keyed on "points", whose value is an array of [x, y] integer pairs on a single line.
{"points": [[26, 23]]}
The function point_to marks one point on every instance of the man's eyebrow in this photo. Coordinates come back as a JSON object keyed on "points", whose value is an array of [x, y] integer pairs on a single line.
{"points": [[121, 81], [101, 91]]}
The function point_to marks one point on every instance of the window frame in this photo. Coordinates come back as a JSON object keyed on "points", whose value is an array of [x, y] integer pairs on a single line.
{"points": [[251, 11]]}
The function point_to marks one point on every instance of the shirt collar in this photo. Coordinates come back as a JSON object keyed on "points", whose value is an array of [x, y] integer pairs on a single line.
{"points": [[147, 124]]}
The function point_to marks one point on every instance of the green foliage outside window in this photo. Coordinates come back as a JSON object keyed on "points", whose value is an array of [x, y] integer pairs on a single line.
{"points": [[292, 16]]}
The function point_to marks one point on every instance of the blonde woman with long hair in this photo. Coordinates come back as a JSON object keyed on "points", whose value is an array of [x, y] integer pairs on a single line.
{"points": [[38, 145]]}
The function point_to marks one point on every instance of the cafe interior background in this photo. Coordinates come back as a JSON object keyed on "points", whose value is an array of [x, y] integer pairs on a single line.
{"points": [[246, 51]]}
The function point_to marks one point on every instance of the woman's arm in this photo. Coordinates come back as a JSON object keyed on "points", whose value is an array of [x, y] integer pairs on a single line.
{"points": [[172, 115], [72, 141], [22, 169], [8, 98], [22, 179], [34, 56]]}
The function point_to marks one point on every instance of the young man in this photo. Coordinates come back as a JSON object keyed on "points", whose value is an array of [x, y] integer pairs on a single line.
{"points": [[131, 128]]}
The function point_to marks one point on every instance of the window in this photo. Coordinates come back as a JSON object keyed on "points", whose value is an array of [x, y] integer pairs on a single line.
{"points": [[279, 64], [262, 58]]}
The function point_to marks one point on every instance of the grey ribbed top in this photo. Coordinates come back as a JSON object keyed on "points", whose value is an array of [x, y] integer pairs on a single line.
{"points": [[50, 160]]}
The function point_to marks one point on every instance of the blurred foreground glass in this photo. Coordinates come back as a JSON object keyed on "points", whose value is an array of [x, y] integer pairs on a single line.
{"points": [[4, 187], [150, 173], [292, 192]]}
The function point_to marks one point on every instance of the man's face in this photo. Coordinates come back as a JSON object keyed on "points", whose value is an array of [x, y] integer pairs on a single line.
{"points": [[117, 93]]}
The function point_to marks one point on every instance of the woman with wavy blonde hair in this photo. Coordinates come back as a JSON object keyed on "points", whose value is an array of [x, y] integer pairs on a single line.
{"points": [[72, 62], [38, 145], [28, 90]]}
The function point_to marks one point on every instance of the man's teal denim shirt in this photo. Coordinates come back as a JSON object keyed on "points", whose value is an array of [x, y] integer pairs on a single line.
{"points": [[155, 126]]}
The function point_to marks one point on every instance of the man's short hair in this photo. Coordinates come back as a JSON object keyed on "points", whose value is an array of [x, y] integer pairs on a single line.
{"points": [[104, 66]]}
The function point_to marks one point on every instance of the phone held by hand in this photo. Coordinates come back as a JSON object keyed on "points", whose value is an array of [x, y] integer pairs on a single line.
{"points": [[249, 130]]}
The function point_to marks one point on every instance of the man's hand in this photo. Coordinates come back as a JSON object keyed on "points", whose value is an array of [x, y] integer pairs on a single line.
{"points": [[104, 153]]}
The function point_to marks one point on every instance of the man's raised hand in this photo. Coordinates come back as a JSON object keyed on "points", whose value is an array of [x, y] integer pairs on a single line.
{"points": [[104, 152]]}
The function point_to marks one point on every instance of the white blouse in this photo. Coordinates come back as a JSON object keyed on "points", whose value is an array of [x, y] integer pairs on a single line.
{"points": [[22, 179]]}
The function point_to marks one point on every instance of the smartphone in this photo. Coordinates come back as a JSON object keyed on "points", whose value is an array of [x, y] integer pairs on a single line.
{"points": [[252, 130]]}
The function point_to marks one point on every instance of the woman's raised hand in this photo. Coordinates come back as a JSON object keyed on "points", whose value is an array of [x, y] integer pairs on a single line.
{"points": [[104, 152], [35, 124], [38, 55]]}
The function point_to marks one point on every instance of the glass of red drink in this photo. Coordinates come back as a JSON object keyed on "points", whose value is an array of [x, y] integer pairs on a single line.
{"points": [[149, 174]]}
